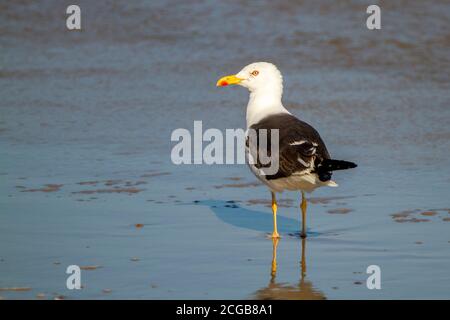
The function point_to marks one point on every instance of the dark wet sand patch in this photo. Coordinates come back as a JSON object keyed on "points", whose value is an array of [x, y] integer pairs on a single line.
{"points": [[114, 190], [154, 174], [339, 211], [136, 183], [402, 220], [125, 153], [429, 213], [89, 268], [239, 185], [46, 188], [415, 215], [403, 214], [17, 289], [233, 178], [112, 182], [118, 186], [88, 183], [327, 200]]}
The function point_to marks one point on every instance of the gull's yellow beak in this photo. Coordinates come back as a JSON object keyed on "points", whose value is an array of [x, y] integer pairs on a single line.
{"points": [[225, 81]]}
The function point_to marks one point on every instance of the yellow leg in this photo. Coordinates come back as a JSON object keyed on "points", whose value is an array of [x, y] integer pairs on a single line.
{"points": [[274, 211], [303, 206], [274, 258], [303, 259]]}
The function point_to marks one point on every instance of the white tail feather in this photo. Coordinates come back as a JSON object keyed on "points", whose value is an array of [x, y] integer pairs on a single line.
{"points": [[331, 183]]}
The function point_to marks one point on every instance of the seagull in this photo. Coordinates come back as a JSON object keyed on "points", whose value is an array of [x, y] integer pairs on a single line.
{"points": [[304, 162]]}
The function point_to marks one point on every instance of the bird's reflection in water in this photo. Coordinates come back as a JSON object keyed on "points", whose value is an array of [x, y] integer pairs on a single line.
{"points": [[304, 290]]}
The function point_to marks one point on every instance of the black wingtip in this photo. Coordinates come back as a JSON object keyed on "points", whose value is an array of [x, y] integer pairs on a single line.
{"points": [[332, 165], [346, 164]]}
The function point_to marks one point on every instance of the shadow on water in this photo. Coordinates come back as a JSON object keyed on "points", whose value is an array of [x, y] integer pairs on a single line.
{"points": [[235, 215], [303, 290]]}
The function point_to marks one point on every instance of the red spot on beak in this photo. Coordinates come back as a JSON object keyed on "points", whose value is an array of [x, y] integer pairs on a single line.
{"points": [[223, 83]]}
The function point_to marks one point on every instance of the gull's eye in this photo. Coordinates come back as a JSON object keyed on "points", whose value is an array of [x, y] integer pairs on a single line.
{"points": [[255, 73]]}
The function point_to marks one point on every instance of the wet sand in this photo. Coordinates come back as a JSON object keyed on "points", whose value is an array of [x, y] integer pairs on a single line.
{"points": [[86, 176]]}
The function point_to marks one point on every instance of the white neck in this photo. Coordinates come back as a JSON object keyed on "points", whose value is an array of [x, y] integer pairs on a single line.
{"points": [[264, 102]]}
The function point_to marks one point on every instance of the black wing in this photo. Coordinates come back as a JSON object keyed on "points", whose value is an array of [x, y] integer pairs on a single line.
{"points": [[301, 149]]}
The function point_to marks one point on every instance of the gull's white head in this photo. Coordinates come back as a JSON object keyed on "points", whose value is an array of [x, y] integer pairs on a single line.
{"points": [[257, 76], [265, 83]]}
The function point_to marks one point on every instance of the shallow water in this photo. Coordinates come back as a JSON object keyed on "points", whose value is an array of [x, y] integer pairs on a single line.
{"points": [[86, 175]]}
